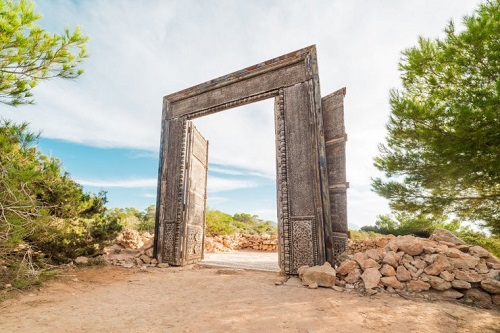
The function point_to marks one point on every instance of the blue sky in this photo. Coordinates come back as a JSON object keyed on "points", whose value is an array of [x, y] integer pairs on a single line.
{"points": [[105, 125]]}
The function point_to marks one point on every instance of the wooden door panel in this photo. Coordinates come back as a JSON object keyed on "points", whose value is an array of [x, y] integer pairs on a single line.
{"points": [[336, 231], [196, 190]]}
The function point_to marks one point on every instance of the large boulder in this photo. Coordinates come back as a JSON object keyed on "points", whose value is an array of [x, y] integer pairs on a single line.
{"points": [[445, 236], [408, 244], [323, 276]]}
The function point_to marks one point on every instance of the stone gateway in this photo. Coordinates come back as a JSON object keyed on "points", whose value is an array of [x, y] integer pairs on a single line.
{"points": [[310, 161]]}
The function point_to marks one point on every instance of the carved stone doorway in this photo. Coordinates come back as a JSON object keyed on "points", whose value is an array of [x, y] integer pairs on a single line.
{"points": [[310, 161]]}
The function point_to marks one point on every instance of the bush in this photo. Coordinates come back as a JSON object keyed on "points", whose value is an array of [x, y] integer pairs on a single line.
{"points": [[44, 214]]}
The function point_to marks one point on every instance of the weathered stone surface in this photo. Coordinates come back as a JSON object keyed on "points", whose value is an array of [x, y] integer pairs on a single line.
{"points": [[495, 299], [370, 263], [375, 254], [481, 268], [391, 281], [478, 251], [450, 294], [409, 244], [438, 283], [387, 270], [445, 235], [301, 270], [391, 258], [410, 267], [146, 259], [419, 263], [360, 258], [478, 297], [371, 277], [323, 276], [418, 286], [346, 267], [440, 264], [353, 276], [313, 285], [469, 276], [403, 274], [429, 258], [447, 276], [163, 265], [491, 286], [493, 274], [460, 284], [465, 261], [454, 253], [81, 260]]}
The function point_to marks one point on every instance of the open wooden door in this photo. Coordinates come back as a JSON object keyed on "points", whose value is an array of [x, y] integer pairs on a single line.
{"points": [[181, 194], [195, 195]]}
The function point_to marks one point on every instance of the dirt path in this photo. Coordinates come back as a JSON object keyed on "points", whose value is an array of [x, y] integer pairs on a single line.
{"points": [[197, 299]]}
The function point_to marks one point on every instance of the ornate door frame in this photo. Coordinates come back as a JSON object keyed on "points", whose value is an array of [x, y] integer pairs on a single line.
{"points": [[302, 177]]}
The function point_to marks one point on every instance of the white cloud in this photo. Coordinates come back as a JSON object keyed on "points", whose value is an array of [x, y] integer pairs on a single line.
{"points": [[216, 184], [132, 183]]}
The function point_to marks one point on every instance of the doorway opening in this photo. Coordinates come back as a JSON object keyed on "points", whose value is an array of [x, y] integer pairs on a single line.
{"points": [[241, 214]]}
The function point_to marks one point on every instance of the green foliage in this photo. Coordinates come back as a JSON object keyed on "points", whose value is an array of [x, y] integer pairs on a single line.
{"points": [[364, 234], [220, 223], [29, 54], [43, 212], [442, 152], [131, 218]]}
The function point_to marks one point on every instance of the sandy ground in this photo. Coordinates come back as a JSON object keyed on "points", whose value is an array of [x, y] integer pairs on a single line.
{"points": [[201, 299]]}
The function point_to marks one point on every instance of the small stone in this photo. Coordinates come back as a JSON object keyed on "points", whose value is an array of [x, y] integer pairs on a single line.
{"points": [[447, 244], [370, 263], [371, 277], [81, 260], [478, 297], [491, 286], [371, 291], [313, 285], [450, 294], [374, 254], [144, 268], [440, 264], [429, 258], [154, 261], [146, 259], [429, 250], [402, 274], [469, 276], [417, 273], [409, 267], [301, 270], [7, 286], [481, 268], [447, 276], [391, 281], [346, 266], [419, 263], [418, 286], [391, 258], [495, 299], [149, 252], [478, 251], [353, 276], [445, 235], [438, 283], [387, 270], [163, 265], [339, 289], [128, 265], [459, 284], [360, 258], [138, 261], [454, 253]]}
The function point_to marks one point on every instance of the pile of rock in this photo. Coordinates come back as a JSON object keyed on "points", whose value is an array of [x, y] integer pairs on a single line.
{"points": [[361, 245], [132, 249], [240, 242], [443, 265]]}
